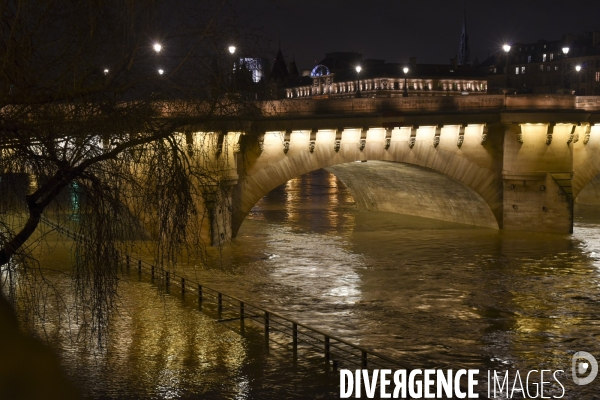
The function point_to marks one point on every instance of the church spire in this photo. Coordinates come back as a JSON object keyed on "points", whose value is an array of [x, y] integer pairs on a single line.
{"points": [[280, 70], [464, 56]]}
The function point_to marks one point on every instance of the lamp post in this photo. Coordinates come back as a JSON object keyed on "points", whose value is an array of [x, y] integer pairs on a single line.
{"points": [[506, 49], [157, 48], [232, 52], [578, 69], [358, 69], [405, 92], [566, 83]]}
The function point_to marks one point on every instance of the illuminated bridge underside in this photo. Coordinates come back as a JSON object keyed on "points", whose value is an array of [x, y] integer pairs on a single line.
{"points": [[412, 190], [522, 160], [591, 193]]}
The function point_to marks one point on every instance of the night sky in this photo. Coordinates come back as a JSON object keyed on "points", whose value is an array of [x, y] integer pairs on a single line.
{"points": [[395, 30]]}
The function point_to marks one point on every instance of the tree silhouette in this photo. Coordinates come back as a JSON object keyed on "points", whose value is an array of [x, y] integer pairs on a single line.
{"points": [[90, 110]]}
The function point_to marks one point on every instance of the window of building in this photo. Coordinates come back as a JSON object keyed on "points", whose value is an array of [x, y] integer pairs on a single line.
{"points": [[544, 57], [551, 56], [556, 68], [528, 59], [517, 71], [495, 70], [522, 70], [544, 46], [597, 76], [541, 67], [548, 68]]}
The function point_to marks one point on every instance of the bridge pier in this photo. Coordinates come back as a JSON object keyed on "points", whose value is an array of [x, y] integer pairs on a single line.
{"points": [[537, 172]]}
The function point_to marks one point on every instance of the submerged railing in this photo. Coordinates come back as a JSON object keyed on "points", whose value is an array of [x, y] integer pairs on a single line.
{"points": [[338, 353]]}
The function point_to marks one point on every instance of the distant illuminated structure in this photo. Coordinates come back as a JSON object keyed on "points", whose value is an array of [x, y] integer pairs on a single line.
{"points": [[319, 70], [257, 66], [336, 77], [548, 66]]}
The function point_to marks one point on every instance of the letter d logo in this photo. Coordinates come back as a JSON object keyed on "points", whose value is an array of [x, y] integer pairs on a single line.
{"points": [[582, 367]]}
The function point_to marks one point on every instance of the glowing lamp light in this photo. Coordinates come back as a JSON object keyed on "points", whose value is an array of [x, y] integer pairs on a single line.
{"points": [[161, 71], [358, 68], [565, 50], [506, 48], [105, 71], [578, 68], [231, 49], [157, 47], [405, 69]]}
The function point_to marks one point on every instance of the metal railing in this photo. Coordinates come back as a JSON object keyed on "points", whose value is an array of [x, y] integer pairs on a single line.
{"points": [[279, 329]]}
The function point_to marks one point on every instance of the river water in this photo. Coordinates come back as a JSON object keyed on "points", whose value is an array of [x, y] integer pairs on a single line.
{"points": [[431, 294]]}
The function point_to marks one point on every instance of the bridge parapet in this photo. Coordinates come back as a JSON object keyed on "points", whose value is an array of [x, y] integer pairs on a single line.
{"points": [[460, 104]]}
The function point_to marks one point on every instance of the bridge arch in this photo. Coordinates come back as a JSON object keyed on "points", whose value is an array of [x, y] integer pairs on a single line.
{"points": [[458, 153], [586, 165]]}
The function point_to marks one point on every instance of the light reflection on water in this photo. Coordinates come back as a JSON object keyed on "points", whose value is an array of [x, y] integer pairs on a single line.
{"points": [[432, 294], [161, 347]]}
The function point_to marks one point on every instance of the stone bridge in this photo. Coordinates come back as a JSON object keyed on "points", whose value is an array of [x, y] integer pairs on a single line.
{"points": [[504, 162]]}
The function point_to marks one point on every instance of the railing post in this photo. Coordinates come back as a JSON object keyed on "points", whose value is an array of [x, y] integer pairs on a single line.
{"points": [[127, 260], [140, 266], [327, 346], [242, 311], [182, 285], [364, 359], [295, 336], [220, 301], [153, 272], [334, 365], [200, 294], [267, 326], [167, 278]]}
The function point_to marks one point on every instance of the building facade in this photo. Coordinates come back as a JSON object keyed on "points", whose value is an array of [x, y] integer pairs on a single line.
{"points": [[336, 77], [568, 65]]}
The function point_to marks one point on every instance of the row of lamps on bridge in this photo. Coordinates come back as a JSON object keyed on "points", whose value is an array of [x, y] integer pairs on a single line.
{"points": [[506, 49], [157, 47], [359, 68]]}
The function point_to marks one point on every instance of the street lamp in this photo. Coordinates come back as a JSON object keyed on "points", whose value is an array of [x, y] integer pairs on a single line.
{"points": [[161, 71], [506, 49], [405, 93], [157, 47], [105, 71], [566, 83], [358, 69], [232, 50], [578, 69]]}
